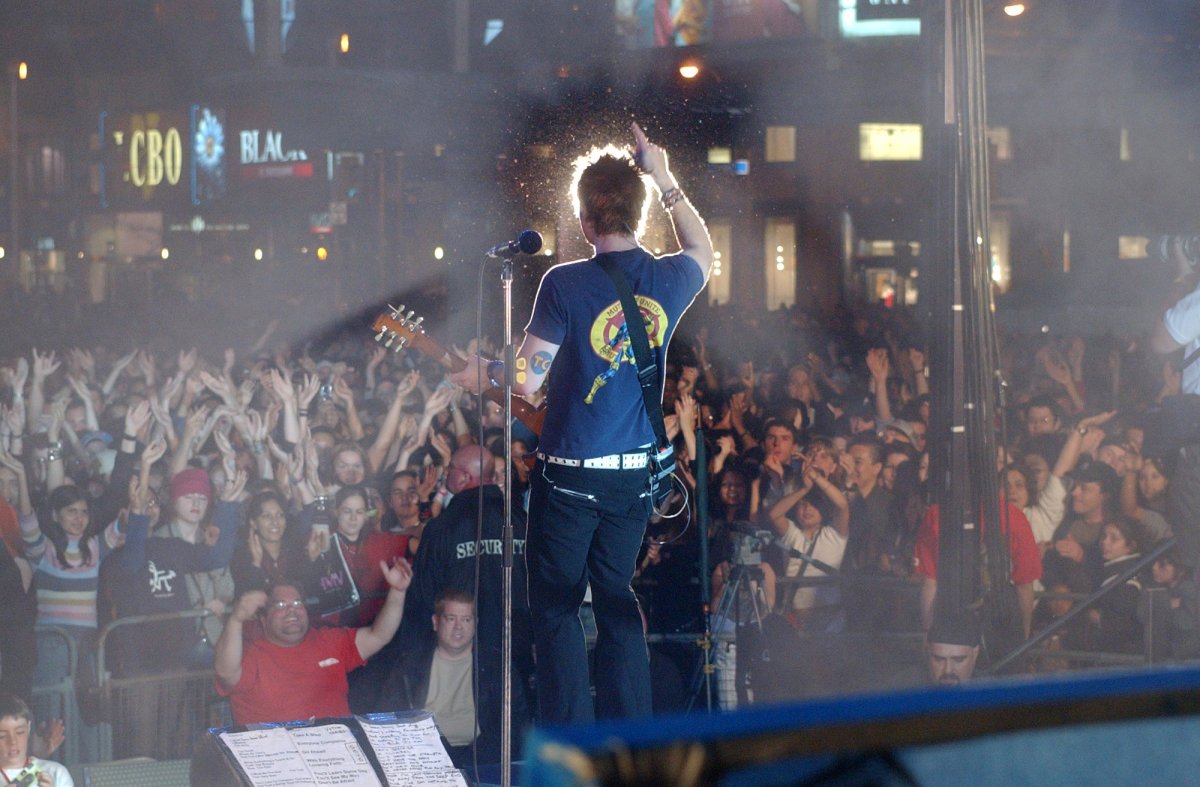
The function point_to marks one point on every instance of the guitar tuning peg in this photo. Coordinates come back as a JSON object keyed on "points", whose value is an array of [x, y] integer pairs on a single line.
{"points": [[391, 338], [379, 336], [408, 317], [395, 310], [418, 321]]}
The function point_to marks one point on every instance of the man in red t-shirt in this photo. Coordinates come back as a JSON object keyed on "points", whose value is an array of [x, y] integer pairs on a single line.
{"points": [[1022, 551], [294, 672]]}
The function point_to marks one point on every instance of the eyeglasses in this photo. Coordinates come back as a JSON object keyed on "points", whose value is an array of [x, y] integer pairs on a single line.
{"points": [[283, 605]]}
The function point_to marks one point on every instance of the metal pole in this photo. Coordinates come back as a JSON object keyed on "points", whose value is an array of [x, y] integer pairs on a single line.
{"points": [[705, 580], [506, 276], [14, 186]]}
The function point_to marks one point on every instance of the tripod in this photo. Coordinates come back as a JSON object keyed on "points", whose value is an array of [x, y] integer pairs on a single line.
{"points": [[740, 594]]}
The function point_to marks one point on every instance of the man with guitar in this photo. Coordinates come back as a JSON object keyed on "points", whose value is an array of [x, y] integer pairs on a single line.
{"points": [[590, 490]]}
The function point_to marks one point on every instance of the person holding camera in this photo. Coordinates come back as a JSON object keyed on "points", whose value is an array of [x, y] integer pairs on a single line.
{"points": [[17, 765]]}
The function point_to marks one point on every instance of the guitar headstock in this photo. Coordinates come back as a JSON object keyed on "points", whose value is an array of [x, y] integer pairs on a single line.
{"points": [[398, 329]]}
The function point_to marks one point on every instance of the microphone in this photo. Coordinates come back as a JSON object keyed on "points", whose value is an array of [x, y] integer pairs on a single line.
{"points": [[528, 242]]}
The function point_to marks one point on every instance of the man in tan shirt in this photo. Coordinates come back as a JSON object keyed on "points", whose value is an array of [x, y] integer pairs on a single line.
{"points": [[450, 697]]}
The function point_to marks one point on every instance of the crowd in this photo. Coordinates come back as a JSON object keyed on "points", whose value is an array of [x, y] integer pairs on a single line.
{"points": [[318, 496]]}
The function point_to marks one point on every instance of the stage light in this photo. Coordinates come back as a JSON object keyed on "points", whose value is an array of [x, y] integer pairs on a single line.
{"points": [[258, 254], [344, 44], [1014, 9], [22, 70], [165, 253], [322, 253], [689, 69], [438, 252]]}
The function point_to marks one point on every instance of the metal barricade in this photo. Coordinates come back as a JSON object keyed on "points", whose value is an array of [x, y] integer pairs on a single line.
{"points": [[59, 665], [156, 715], [52, 699]]}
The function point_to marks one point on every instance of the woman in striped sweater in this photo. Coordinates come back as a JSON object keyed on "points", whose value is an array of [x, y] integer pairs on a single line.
{"points": [[66, 554]]}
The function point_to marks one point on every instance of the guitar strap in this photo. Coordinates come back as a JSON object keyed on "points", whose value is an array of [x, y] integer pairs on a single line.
{"points": [[647, 369]]}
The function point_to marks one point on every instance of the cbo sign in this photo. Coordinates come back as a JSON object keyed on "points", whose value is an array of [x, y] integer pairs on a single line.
{"points": [[155, 156], [147, 159]]}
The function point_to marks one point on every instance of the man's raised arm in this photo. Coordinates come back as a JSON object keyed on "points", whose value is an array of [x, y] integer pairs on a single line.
{"points": [[689, 227]]}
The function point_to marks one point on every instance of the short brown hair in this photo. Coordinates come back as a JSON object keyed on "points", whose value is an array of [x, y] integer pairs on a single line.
{"points": [[452, 594], [13, 707], [611, 193]]}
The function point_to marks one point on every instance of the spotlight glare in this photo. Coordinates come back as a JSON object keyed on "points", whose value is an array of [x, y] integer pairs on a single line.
{"points": [[689, 71], [1014, 9]]}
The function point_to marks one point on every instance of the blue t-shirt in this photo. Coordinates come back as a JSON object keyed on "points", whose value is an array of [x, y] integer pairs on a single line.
{"points": [[594, 403]]}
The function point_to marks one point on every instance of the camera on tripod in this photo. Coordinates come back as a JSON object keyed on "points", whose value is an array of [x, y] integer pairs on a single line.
{"points": [[1160, 247], [748, 543]]}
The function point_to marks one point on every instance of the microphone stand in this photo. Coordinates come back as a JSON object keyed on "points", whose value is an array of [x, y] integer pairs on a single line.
{"points": [[506, 276]]}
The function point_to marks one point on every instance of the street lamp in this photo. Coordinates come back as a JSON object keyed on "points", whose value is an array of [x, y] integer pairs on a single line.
{"points": [[16, 74]]}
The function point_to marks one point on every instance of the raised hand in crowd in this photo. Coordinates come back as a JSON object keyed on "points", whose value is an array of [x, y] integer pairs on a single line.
{"points": [[343, 393], [16, 376], [115, 372], [148, 367], [685, 408], [221, 386], [726, 448], [1057, 370], [23, 504], [43, 367], [137, 420], [307, 392]]}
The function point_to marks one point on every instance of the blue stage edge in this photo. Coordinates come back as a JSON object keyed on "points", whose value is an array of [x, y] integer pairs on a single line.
{"points": [[1115, 727]]}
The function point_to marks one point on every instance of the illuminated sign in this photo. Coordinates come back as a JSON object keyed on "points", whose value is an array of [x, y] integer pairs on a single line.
{"points": [[264, 155], [145, 157], [208, 154], [155, 156], [888, 9], [171, 159], [664, 23]]}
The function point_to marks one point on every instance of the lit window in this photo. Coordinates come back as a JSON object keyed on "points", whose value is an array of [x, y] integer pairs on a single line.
{"points": [[781, 143], [719, 286], [889, 141], [780, 264], [720, 155], [493, 28], [1132, 247], [1000, 138], [999, 235]]}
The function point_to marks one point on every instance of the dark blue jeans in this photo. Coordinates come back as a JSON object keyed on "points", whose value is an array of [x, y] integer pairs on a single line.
{"points": [[587, 526]]}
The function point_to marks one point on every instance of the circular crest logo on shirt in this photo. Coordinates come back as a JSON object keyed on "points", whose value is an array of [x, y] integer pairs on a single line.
{"points": [[607, 336]]}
